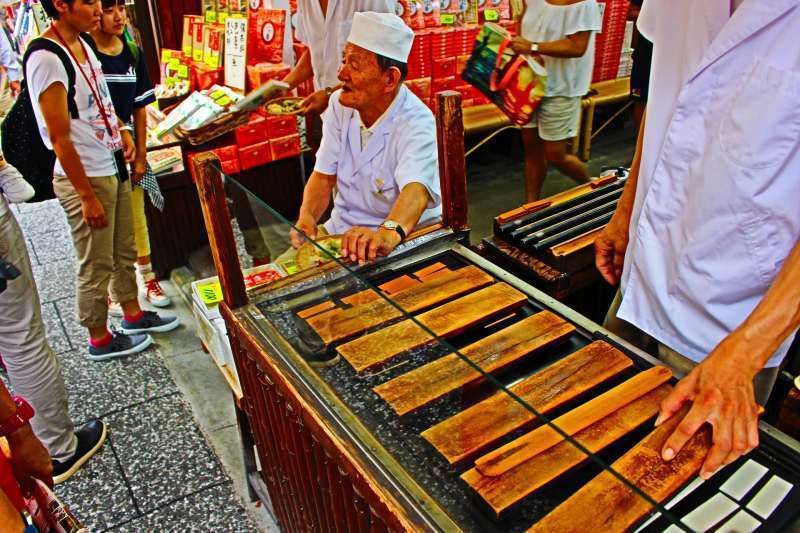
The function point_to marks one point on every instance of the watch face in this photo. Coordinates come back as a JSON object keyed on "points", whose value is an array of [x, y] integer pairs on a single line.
{"points": [[390, 224]]}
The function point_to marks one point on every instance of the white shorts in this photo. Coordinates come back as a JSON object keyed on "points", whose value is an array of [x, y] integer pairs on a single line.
{"points": [[557, 117]]}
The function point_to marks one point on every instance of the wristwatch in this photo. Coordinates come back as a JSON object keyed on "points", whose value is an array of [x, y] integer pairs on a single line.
{"points": [[534, 48], [18, 419], [391, 225], [329, 91]]}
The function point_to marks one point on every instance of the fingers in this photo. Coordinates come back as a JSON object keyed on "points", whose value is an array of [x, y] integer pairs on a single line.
{"points": [[46, 476], [604, 260], [372, 252], [723, 443], [682, 392], [364, 244], [738, 439], [695, 418]]}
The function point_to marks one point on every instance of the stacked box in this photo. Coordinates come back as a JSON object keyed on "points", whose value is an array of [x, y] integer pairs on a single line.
{"points": [[610, 40]]}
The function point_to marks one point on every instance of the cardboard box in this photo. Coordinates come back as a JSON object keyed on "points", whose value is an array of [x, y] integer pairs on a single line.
{"points": [[285, 147], [187, 41], [255, 155], [254, 132], [278, 126], [444, 67]]}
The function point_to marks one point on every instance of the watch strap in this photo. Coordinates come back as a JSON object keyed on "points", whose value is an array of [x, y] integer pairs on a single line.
{"points": [[18, 419]]}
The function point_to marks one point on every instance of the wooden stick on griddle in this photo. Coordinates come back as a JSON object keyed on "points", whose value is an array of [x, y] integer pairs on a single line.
{"points": [[427, 383], [445, 321], [567, 214], [501, 492], [560, 227], [481, 425], [608, 502], [531, 444], [340, 324]]}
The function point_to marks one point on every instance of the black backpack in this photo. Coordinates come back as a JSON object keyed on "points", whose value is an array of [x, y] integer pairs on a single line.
{"points": [[21, 142]]}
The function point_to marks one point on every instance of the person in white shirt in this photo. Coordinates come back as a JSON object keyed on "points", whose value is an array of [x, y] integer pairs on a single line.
{"points": [[378, 148], [562, 33], [705, 240], [10, 68], [323, 26]]}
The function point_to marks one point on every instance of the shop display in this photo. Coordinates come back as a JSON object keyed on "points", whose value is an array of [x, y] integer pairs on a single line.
{"points": [[447, 320], [483, 424], [430, 382]]}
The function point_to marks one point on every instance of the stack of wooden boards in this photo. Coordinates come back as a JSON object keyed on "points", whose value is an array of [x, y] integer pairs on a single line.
{"points": [[562, 226], [373, 331]]}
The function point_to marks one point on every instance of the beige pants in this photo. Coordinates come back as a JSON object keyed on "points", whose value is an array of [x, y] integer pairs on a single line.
{"points": [[762, 383], [33, 369], [105, 256]]}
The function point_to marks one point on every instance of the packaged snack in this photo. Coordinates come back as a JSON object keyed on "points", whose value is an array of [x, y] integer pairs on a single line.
{"points": [[431, 13], [416, 18], [197, 39], [265, 35]]}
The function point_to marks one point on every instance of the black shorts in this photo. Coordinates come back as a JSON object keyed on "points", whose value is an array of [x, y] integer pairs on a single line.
{"points": [[640, 73]]}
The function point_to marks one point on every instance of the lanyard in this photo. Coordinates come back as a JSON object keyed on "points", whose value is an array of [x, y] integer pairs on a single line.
{"points": [[94, 88]]}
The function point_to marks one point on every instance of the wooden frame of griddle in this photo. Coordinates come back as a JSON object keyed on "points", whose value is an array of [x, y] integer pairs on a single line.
{"points": [[305, 435]]}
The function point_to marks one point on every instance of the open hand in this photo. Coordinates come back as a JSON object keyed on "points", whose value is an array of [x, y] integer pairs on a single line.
{"points": [[363, 244], [721, 391], [93, 213], [316, 102], [610, 247], [520, 45]]}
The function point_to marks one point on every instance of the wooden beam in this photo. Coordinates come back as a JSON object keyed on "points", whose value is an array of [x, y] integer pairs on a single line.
{"points": [[481, 425], [608, 501], [339, 324], [452, 163], [531, 444], [501, 492], [444, 321], [220, 231], [425, 384]]}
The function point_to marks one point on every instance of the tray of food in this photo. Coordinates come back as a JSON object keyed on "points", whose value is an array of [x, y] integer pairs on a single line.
{"points": [[289, 105]]}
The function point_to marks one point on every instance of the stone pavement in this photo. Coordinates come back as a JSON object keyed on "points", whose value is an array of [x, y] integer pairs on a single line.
{"points": [[172, 461]]}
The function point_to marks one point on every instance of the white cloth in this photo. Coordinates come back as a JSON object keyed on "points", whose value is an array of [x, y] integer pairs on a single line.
{"points": [[325, 34], [545, 22], [401, 150], [93, 143], [9, 59], [717, 208], [382, 33]]}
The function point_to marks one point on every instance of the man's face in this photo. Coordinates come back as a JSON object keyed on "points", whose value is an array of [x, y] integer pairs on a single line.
{"points": [[83, 15], [363, 80], [113, 20]]}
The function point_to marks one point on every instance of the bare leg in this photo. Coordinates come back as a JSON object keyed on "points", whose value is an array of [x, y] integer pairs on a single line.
{"points": [[535, 163], [569, 165], [131, 308]]}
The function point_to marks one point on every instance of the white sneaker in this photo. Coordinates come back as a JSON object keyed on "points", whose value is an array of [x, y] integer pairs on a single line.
{"points": [[114, 309], [150, 289], [14, 186]]}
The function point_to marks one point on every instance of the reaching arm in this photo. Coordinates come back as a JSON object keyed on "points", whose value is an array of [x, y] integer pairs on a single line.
{"points": [[570, 46], [301, 72], [316, 199], [140, 136]]}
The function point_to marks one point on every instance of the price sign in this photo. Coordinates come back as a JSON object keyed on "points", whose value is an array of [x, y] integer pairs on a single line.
{"points": [[174, 63], [222, 17], [211, 16], [447, 19], [491, 15], [211, 293], [166, 55], [235, 52], [183, 71]]}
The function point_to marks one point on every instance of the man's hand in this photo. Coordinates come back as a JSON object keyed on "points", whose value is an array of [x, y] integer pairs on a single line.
{"points": [[610, 247], [306, 228], [721, 391], [363, 244], [29, 458], [93, 212], [128, 146], [138, 169], [520, 45], [316, 102], [15, 87]]}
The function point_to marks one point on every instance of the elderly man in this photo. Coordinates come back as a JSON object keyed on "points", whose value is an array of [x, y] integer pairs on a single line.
{"points": [[705, 237], [378, 148]]}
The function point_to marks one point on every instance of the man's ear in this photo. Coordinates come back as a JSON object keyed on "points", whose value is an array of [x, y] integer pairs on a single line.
{"points": [[393, 78]]}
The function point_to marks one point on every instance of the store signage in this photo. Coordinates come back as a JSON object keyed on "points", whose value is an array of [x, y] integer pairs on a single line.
{"points": [[447, 19], [491, 15], [235, 52]]}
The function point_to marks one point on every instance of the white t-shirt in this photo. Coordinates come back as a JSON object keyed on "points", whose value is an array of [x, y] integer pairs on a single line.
{"points": [[92, 142], [545, 22]]}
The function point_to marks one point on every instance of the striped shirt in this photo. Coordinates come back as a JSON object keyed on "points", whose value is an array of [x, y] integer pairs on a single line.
{"points": [[129, 85]]}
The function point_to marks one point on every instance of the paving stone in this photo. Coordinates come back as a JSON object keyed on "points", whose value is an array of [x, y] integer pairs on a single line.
{"points": [[52, 246], [56, 280], [56, 334]]}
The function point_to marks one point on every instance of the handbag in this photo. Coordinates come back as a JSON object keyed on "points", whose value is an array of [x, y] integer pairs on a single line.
{"points": [[513, 82]]}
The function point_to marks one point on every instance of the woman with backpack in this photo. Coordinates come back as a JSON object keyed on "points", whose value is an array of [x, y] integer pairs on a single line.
{"points": [[131, 91]]}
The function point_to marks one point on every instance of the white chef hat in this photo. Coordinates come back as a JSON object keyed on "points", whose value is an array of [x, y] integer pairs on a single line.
{"points": [[383, 33]]}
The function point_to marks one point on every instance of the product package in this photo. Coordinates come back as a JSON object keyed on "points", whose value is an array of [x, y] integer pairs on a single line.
{"points": [[187, 42], [513, 82], [197, 39], [265, 35], [212, 45]]}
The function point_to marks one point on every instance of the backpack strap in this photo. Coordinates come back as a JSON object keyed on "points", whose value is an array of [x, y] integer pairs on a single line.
{"points": [[42, 43]]}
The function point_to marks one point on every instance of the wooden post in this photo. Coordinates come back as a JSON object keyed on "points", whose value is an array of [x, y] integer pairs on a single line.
{"points": [[452, 165], [220, 232]]}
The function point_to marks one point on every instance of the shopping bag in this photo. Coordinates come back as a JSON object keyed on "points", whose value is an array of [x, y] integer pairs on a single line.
{"points": [[514, 82]]}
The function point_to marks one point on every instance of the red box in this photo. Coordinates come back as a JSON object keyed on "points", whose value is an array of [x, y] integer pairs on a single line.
{"points": [[254, 132], [443, 84], [231, 166], [444, 67], [255, 155], [278, 126], [285, 147], [227, 153]]}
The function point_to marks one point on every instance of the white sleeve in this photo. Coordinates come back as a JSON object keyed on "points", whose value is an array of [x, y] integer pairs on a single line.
{"points": [[330, 147], [418, 157], [44, 69], [300, 29], [583, 16], [646, 23]]}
